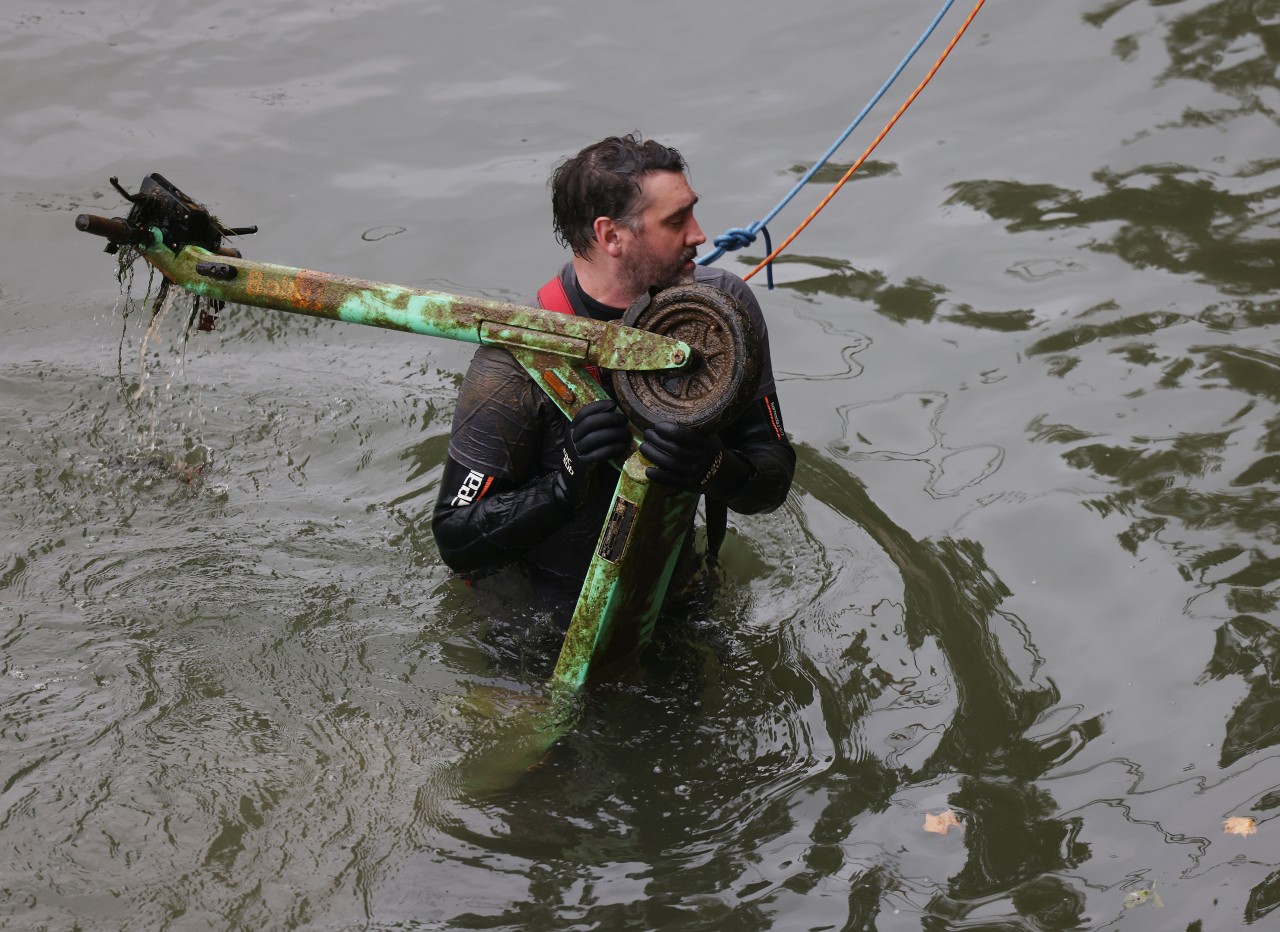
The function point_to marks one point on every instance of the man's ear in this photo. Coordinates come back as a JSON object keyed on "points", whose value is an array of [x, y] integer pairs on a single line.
{"points": [[608, 236]]}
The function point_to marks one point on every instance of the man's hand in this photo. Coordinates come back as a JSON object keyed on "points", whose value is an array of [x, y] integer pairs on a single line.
{"points": [[691, 461], [597, 433]]}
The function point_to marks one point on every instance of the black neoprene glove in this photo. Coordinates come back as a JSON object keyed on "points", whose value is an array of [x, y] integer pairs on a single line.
{"points": [[597, 433], [685, 459]]}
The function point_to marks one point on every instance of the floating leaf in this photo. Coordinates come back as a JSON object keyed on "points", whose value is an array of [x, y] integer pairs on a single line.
{"points": [[940, 823], [1138, 897], [1239, 825]]}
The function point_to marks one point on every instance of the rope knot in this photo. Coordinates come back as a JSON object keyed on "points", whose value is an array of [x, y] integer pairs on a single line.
{"points": [[735, 238]]}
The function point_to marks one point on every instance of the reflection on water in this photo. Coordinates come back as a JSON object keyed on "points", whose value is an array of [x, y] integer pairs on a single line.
{"points": [[1013, 839], [1030, 570], [908, 428], [1176, 218], [913, 299]]}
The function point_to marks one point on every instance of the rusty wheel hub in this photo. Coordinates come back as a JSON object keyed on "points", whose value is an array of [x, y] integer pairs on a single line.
{"points": [[717, 384]]}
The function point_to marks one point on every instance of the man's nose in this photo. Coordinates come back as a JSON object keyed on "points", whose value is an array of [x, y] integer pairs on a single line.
{"points": [[695, 236]]}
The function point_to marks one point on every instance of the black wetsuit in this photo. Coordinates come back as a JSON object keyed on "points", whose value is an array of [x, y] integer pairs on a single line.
{"points": [[496, 507]]}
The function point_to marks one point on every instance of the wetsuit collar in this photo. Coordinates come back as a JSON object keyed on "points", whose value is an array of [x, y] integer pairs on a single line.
{"points": [[593, 307]]}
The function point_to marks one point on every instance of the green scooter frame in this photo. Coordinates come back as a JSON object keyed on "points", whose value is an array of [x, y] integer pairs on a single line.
{"points": [[658, 376]]}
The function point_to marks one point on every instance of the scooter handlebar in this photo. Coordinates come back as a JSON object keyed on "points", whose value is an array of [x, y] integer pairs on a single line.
{"points": [[123, 233], [118, 231]]}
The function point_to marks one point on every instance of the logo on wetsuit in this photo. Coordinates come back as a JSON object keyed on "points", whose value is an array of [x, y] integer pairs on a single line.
{"points": [[470, 486]]}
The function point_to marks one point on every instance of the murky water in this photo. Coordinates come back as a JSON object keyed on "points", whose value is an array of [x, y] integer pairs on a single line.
{"points": [[1029, 571]]}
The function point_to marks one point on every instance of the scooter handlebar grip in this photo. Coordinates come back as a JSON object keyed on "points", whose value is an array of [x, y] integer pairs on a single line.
{"points": [[113, 228]]}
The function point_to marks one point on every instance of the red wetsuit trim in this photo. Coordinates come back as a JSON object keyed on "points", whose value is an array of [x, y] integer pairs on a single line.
{"points": [[553, 297]]}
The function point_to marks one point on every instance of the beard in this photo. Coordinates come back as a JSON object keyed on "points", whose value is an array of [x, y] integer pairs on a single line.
{"points": [[654, 271]]}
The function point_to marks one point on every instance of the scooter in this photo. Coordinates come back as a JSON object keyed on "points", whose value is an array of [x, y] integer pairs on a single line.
{"points": [[686, 354]]}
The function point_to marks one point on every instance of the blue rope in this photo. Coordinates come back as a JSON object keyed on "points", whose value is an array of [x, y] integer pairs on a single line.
{"points": [[738, 237]]}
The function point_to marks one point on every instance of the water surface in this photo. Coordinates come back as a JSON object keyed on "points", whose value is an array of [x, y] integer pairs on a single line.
{"points": [[1029, 570]]}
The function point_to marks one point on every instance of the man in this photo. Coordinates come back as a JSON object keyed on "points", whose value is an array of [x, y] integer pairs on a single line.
{"points": [[523, 487]]}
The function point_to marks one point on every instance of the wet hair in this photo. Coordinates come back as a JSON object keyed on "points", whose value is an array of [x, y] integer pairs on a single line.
{"points": [[603, 180]]}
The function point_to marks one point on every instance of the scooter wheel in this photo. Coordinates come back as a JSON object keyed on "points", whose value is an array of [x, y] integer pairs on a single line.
{"points": [[721, 378]]}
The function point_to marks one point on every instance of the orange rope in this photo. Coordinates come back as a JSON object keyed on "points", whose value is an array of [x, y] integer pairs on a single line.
{"points": [[871, 148]]}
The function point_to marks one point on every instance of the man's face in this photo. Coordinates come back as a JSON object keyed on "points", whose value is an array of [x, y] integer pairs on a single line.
{"points": [[666, 237]]}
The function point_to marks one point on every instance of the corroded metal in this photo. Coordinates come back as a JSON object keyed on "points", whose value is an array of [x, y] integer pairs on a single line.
{"points": [[665, 378], [720, 380], [395, 307], [628, 578], [185, 242]]}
